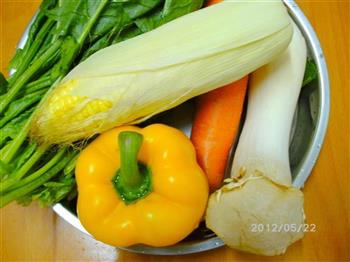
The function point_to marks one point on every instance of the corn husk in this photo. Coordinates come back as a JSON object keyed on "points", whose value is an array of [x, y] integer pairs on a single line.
{"points": [[131, 81]]}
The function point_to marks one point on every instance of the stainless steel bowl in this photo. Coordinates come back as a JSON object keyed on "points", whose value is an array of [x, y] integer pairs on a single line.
{"points": [[309, 128]]}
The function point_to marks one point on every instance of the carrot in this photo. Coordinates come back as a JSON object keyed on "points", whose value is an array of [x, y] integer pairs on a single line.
{"points": [[212, 2], [215, 127]]}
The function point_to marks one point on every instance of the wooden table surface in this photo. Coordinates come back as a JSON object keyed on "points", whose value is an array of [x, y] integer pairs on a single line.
{"points": [[35, 234]]}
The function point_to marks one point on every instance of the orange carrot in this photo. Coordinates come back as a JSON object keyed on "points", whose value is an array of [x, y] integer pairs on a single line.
{"points": [[215, 127], [212, 2]]}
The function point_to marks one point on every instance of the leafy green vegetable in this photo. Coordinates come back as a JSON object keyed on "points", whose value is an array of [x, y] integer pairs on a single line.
{"points": [[33, 31], [99, 44], [3, 84], [118, 14], [37, 85], [51, 192], [310, 72], [5, 169], [63, 33], [56, 189], [176, 8], [113, 20], [109, 19], [35, 183], [146, 24], [54, 192], [128, 32], [67, 15], [172, 9], [68, 52], [12, 128], [26, 76], [25, 57], [20, 105], [17, 58], [69, 169], [24, 157], [135, 9], [14, 180]]}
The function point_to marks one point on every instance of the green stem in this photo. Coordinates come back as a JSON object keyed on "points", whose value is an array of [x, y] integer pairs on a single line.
{"points": [[12, 180], [16, 143], [11, 151], [133, 179], [37, 173], [129, 145], [39, 86], [45, 175], [40, 81], [91, 22], [80, 41], [23, 79], [32, 99], [32, 51]]}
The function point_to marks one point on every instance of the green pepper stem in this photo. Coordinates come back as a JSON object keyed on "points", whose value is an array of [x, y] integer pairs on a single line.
{"points": [[133, 180], [129, 146]]}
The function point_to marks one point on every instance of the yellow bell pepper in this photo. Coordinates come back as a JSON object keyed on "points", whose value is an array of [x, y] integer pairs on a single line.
{"points": [[140, 186]]}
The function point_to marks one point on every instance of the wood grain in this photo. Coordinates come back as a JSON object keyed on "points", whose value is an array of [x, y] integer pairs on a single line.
{"points": [[36, 234]]}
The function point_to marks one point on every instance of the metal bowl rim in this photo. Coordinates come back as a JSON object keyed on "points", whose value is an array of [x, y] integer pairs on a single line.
{"points": [[308, 162]]}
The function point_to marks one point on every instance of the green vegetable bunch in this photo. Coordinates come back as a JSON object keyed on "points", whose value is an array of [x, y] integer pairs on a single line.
{"points": [[63, 34]]}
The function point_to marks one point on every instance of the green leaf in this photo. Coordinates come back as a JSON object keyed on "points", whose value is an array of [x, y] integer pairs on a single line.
{"points": [[53, 192], [3, 84], [32, 34], [17, 58], [98, 45], [151, 22], [176, 8], [48, 4], [11, 129], [28, 152], [5, 170], [159, 16], [69, 169], [26, 58], [31, 186], [42, 83], [67, 14], [67, 52], [72, 17], [172, 10], [303, 133], [76, 26], [25, 200], [127, 33], [20, 105], [310, 72], [113, 20], [113, 16], [136, 9]]}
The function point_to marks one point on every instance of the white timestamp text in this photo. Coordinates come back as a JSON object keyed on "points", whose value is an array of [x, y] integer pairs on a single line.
{"points": [[257, 228]]}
